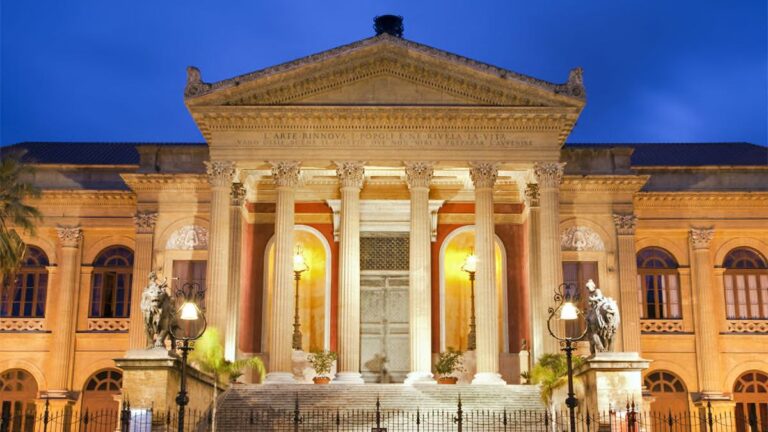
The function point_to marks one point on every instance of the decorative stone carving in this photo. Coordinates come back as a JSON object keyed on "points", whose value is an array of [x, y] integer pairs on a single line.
{"points": [[419, 174], [575, 84], [701, 237], [286, 173], [195, 85], [625, 223], [581, 238], [108, 324], [483, 174], [69, 236], [220, 173], [157, 309], [661, 326], [549, 174], [21, 324], [188, 237], [351, 173], [602, 320], [532, 195], [748, 326], [145, 222], [237, 194]]}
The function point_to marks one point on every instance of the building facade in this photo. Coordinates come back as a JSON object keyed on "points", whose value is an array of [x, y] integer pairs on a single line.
{"points": [[386, 163]]}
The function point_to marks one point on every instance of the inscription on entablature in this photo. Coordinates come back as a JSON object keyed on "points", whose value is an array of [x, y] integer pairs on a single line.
{"points": [[384, 138]]}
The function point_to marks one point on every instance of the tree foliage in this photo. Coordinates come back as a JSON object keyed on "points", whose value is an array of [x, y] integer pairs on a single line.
{"points": [[15, 214], [551, 372]]}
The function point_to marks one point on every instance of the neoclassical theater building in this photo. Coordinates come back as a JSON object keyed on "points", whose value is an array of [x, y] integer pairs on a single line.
{"points": [[386, 163]]}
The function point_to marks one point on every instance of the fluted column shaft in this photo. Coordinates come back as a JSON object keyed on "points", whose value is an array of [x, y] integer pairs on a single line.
{"points": [[707, 331], [142, 265], [220, 174], [62, 354], [235, 253], [486, 302], [418, 175], [286, 176], [351, 175], [630, 308], [538, 295], [549, 175]]}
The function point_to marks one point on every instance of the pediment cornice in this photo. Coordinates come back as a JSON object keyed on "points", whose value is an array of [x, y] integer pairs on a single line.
{"points": [[166, 182]]}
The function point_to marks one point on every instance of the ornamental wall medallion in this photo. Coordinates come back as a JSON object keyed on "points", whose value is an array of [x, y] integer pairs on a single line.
{"points": [[188, 237], [581, 238]]}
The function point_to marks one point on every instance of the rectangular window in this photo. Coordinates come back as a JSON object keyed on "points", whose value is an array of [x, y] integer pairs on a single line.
{"points": [[746, 295], [575, 276], [659, 294]]}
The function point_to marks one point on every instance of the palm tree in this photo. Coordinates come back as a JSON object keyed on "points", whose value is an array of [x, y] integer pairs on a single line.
{"points": [[550, 373], [14, 214]]}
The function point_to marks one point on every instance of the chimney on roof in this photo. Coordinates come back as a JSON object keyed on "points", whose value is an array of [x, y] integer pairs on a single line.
{"points": [[390, 24]]}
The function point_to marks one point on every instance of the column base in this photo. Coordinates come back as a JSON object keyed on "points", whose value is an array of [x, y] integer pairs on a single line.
{"points": [[418, 377], [279, 378], [348, 378], [488, 378]]}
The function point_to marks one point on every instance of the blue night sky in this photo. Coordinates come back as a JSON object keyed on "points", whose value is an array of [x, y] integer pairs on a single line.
{"points": [[655, 70]]}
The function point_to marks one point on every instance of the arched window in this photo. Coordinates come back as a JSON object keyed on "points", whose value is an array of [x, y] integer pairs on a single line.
{"points": [[668, 390], [111, 283], [658, 284], [25, 296], [18, 391], [750, 392], [746, 284], [100, 391]]}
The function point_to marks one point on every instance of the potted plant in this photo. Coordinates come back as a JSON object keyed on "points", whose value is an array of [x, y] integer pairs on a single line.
{"points": [[448, 362], [321, 362]]}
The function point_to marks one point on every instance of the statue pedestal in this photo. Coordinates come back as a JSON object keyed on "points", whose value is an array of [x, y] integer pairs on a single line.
{"points": [[611, 380]]}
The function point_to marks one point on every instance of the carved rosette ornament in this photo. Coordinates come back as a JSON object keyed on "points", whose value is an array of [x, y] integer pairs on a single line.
{"points": [[69, 236], [220, 173], [145, 222], [625, 223], [484, 174], [350, 173], [532, 195], [701, 237], [549, 174], [237, 194], [286, 173], [419, 174]]}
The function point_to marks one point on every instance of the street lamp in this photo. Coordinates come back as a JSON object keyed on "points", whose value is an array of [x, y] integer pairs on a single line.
{"points": [[299, 267], [189, 325], [470, 266], [566, 310]]}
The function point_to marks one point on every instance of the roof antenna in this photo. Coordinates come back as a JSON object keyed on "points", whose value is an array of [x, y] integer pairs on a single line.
{"points": [[389, 24]]}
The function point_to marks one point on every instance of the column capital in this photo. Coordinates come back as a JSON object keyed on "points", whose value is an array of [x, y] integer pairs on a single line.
{"points": [[237, 194], [701, 237], [625, 223], [549, 174], [419, 174], [145, 222], [532, 195], [483, 174], [69, 236], [286, 173], [220, 173], [350, 173]]}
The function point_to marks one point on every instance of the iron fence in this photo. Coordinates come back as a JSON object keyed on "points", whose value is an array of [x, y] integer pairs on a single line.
{"points": [[378, 419]]}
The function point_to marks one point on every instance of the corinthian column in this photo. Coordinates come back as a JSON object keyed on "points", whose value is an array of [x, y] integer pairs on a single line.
{"points": [[351, 175], [142, 265], [286, 176], [235, 253], [418, 175], [486, 302], [549, 175], [220, 174], [64, 311], [630, 308], [707, 333], [539, 296]]}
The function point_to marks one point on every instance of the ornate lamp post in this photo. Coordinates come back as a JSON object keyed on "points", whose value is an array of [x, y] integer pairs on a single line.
{"points": [[470, 266], [189, 326], [299, 267], [566, 311]]}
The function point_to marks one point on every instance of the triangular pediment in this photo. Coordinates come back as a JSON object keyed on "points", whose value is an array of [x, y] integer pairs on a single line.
{"points": [[384, 70]]}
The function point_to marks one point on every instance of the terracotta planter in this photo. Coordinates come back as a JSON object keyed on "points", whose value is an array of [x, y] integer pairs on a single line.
{"points": [[321, 380], [447, 380]]}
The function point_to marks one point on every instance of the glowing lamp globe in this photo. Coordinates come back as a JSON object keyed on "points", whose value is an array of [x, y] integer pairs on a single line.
{"points": [[470, 264], [569, 312], [189, 312], [299, 263]]}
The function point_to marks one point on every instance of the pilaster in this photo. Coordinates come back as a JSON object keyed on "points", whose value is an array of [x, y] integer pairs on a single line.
{"points": [[237, 196], [630, 322], [142, 264], [538, 295]]}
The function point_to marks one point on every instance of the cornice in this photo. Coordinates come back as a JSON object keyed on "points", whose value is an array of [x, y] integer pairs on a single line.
{"points": [[701, 199], [603, 183], [162, 182], [80, 197]]}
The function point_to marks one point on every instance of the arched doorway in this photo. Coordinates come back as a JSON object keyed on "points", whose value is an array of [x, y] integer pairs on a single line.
{"points": [[750, 392], [669, 393], [100, 391], [18, 391]]}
